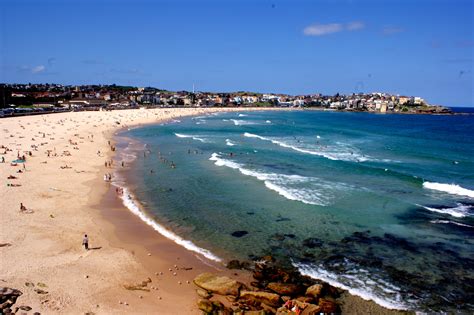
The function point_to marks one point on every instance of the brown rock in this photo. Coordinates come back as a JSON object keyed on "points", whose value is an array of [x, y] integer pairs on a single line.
{"points": [[268, 308], [271, 299], [314, 291], [260, 312], [311, 309], [203, 293], [234, 264], [39, 291], [283, 311], [218, 284], [139, 286], [328, 306], [305, 299], [284, 288], [285, 298], [205, 305], [231, 298]]}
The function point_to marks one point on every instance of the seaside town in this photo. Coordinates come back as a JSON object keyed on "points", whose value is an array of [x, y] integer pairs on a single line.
{"points": [[18, 99]]}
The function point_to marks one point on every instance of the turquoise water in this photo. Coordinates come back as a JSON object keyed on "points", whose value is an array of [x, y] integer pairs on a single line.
{"points": [[381, 205]]}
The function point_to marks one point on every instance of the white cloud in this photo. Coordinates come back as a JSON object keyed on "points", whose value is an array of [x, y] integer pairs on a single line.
{"points": [[322, 29], [38, 69], [325, 29], [355, 26]]}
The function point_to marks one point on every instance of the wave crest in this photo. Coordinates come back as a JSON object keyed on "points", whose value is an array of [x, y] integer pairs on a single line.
{"points": [[309, 190], [452, 189], [335, 153], [180, 135]]}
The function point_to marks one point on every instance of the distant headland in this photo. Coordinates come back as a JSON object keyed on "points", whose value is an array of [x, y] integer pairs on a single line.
{"points": [[33, 98]]}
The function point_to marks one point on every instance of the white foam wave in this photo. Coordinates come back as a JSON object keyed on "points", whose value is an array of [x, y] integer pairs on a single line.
{"points": [[460, 211], [333, 153], [449, 188], [239, 122], [242, 115], [268, 121], [359, 283], [309, 190], [451, 222], [180, 135], [132, 205], [229, 142]]}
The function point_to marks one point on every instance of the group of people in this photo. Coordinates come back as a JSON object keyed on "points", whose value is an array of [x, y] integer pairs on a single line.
{"points": [[108, 163], [166, 161], [119, 191], [107, 177]]}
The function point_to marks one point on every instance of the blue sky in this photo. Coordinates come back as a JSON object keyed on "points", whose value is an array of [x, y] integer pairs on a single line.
{"points": [[422, 48]]}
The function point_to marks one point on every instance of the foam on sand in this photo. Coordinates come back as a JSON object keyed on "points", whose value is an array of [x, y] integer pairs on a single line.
{"points": [[180, 135], [452, 189], [133, 206], [358, 282], [309, 190]]}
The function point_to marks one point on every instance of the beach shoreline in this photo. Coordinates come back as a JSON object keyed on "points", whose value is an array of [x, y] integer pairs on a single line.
{"points": [[68, 198], [63, 193]]}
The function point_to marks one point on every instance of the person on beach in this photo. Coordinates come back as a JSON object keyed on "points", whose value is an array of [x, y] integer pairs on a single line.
{"points": [[22, 207], [85, 242]]}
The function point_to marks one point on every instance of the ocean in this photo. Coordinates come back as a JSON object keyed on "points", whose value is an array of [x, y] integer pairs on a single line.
{"points": [[380, 205]]}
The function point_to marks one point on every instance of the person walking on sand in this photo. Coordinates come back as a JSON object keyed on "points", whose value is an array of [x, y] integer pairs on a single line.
{"points": [[85, 242]]}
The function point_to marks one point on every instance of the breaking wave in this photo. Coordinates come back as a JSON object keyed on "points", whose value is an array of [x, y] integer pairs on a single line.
{"points": [[229, 143], [452, 189], [451, 222], [340, 153], [239, 122], [292, 187], [179, 135], [359, 282], [460, 211]]}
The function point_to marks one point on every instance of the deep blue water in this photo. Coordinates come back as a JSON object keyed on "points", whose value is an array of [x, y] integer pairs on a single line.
{"points": [[382, 205]]}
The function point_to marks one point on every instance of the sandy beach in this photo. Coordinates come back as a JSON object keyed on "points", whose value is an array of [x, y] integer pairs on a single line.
{"points": [[64, 197]]}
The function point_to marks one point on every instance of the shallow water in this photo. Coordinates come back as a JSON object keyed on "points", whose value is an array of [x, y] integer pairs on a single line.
{"points": [[381, 205]]}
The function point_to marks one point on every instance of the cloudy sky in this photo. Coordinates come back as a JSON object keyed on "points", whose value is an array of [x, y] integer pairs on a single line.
{"points": [[412, 47]]}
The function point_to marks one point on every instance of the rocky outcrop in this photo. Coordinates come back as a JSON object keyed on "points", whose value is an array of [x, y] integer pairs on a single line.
{"points": [[203, 293], [314, 291], [8, 297], [271, 299], [143, 286], [218, 284], [328, 306], [276, 291], [284, 288], [205, 305]]}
